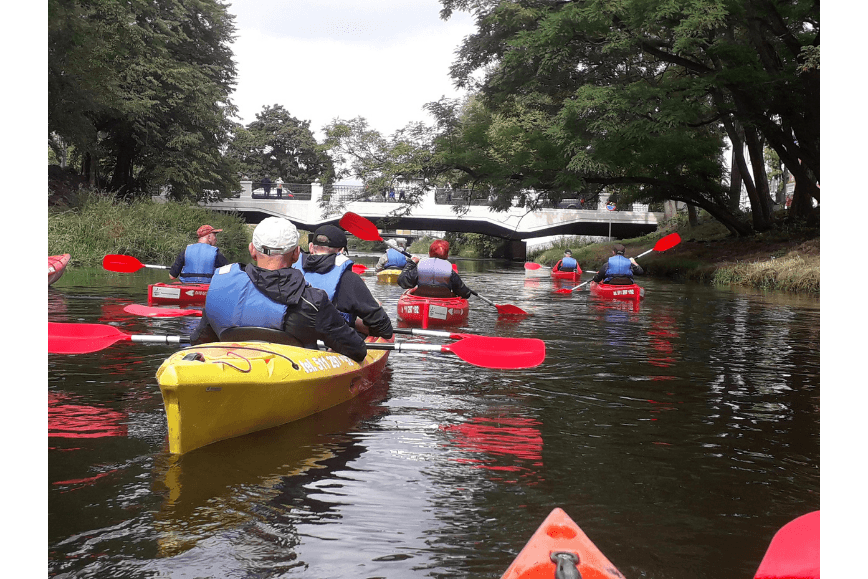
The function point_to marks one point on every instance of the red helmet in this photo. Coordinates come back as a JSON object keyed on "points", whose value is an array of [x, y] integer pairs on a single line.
{"points": [[439, 249]]}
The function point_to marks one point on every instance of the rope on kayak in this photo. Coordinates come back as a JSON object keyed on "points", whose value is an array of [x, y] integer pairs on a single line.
{"points": [[249, 363], [567, 565]]}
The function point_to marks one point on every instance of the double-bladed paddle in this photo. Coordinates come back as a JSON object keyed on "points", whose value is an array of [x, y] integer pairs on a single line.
{"points": [[126, 263], [86, 338], [662, 244], [487, 352], [432, 333], [365, 229]]}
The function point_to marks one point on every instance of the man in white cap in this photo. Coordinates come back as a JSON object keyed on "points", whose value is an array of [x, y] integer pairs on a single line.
{"points": [[270, 300], [393, 259], [196, 264]]}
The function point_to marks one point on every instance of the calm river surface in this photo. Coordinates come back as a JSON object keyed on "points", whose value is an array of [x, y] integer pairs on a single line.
{"points": [[680, 436]]}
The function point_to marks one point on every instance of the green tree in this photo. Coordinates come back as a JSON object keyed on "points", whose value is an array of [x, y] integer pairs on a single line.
{"points": [[626, 89], [141, 90], [277, 144]]}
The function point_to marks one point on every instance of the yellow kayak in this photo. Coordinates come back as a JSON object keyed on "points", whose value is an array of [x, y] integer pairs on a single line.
{"points": [[221, 390], [388, 275]]}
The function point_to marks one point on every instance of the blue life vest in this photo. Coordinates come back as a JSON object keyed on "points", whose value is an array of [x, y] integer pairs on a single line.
{"points": [[568, 264], [435, 272], [618, 266], [199, 261], [330, 281], [395, 259], [233, 301]]}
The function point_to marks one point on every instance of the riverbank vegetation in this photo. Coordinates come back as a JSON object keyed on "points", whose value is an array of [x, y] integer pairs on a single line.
{"points": [[98, 224]]}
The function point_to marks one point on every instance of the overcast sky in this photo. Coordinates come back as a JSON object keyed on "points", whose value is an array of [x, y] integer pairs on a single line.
{"points": [[380, 59]]}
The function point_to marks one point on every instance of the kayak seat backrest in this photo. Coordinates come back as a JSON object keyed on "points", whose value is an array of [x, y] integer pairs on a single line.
{"points": [[620, 280], [254, 334], [430, 291]]}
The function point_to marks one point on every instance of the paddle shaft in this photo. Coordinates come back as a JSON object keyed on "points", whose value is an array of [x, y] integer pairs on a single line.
{"points": [[432, 333], [159, 339]]}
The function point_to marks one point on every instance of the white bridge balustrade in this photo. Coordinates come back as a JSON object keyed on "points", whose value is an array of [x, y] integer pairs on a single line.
{"points": [[300, 204]]}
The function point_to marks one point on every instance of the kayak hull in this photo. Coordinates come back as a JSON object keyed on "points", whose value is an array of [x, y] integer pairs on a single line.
{"points": [[388, 275], [794, 552], [425, 312], [177, 293], [617, 292], [56, 266], [235, 388], [560, 534], [567, 275]]}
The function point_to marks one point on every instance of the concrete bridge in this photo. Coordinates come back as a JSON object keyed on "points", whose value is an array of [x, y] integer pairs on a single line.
{"points": [[300, 204]]}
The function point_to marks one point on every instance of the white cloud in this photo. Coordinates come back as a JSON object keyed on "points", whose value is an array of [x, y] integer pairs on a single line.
{"points": [[382, 60]]}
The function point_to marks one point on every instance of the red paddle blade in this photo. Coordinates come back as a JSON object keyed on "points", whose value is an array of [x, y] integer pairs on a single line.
{"points": [[360, 227], [510, 310], [499, 353], [153, 312], [359, 268], [81, 338], [531, 265], [665, 243], [454, 267], [121, 263]]}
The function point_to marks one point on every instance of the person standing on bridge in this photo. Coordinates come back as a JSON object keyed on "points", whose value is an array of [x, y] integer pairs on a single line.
{"points": [[270, 300], [619, 270], [393, 258], [433, 276], [327, 268], [279, 184], [196, 264]]}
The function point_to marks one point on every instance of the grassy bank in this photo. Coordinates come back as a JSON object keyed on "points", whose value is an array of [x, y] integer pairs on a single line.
{"points": [[785, 259], [152, 232]]}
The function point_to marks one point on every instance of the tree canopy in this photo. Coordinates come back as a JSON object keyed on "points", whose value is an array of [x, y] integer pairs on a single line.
{"points": [[277, 144], [140, 90], [642, 96]]}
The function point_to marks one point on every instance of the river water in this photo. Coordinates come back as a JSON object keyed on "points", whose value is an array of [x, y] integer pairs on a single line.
{"points": [[680, 435]]}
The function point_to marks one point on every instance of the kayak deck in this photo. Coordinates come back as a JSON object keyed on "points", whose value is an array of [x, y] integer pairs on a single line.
{"points": [[56, 266], [177, 293], [560, 545], [388, 275], [222, 390], [428, 311]]}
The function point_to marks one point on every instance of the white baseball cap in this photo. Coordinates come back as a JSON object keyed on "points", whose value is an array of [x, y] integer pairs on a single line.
{"points": [[275, 236]]}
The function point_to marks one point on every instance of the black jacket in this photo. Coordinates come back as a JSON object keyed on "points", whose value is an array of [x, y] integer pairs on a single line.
{"points": [[353, 295], [409, 278], [310, 316]]}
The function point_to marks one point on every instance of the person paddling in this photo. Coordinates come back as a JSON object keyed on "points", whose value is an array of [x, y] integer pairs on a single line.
{"points": [[196, 264], [433, 276], [327, 268], [618, 270], [271, 301], [393, 258], [566, 263]]}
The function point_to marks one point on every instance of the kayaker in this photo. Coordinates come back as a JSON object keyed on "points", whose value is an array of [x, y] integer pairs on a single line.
{"points": [[327, 267], [566, 263], [619, 270], [393, 259], [196, 264], [433, 276], [270, 300]]}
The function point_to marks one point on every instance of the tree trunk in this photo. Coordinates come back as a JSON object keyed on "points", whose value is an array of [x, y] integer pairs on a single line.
{"points": [[735, 183], [692, 218], [123, 172], [760, 178]]}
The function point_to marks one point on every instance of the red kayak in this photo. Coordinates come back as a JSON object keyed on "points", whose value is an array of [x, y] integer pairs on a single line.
{"points": [[56, 266], [617, 292], [794, 552], [568, 275], [559, 548], [425, 311], [177, 293]]}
